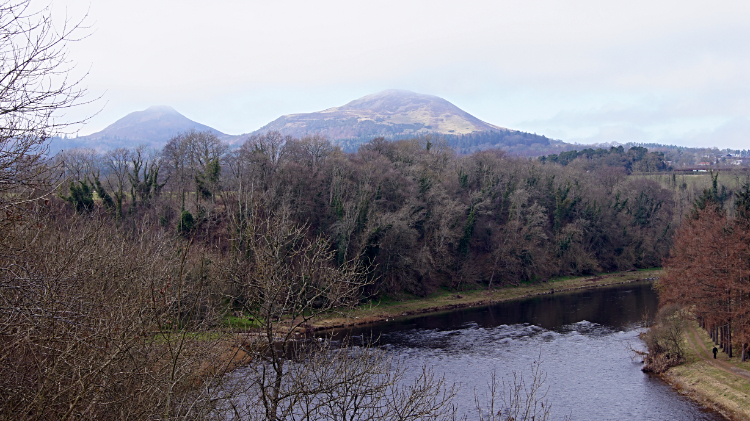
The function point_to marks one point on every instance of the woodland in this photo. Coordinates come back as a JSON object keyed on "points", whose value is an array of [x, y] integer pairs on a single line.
{"points": [[415, 213], [128, 274], [708, 271], [137, 284]]}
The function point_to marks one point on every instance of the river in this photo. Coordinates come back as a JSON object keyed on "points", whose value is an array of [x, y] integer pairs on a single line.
{"points": [[583, 340]]}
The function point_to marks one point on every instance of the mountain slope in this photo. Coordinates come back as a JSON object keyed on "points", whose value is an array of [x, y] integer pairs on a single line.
{"points": [[393, 114], [398, 114], [153, 126], [388, 113]]}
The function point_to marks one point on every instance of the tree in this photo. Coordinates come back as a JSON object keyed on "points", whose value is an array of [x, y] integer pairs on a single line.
{"points": [[147, 166], [522, 399], [264, 153], [708, 272], [287, 281], [194, 158], [117, 164], [99, 324], [35, 87]]}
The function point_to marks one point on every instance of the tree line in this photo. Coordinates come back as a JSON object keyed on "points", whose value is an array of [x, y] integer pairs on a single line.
{"points": [[708, 272], [134, 283], [635, 159], [420, 215]]}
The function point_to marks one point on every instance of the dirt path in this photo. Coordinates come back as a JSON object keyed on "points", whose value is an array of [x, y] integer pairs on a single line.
{"points": [[704, 353]]}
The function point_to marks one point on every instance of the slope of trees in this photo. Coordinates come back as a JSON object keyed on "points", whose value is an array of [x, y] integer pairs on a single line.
{"points": [[115, 293], [709, 269], [419, 215]]}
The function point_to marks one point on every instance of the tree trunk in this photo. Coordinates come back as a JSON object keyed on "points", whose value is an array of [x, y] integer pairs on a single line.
{"points": [[729, 339]]}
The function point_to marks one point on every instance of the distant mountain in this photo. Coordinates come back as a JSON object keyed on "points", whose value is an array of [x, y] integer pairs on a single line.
{"points": [[393, 114], [153, 126], [388, 113], [399, 114]]}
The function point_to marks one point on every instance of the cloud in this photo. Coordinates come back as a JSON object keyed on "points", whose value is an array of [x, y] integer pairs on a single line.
{"points": [[733, 134], [578, 68]]}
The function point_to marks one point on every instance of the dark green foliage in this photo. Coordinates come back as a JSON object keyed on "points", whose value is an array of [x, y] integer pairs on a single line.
{"points": [[564, 206], [109, 204], [186, 223], [742, 203], [713, 196], [637, 158], [166, 216], [471, 220], [81, 196], [144, 179], [644, 209], [463, 178], [207, 181]]}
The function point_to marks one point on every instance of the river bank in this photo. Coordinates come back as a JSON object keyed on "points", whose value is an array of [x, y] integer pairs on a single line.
{"points": [[722, 384], [584, 338], [385, 310]]}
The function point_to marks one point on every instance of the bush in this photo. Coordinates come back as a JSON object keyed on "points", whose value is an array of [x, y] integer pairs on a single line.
{"points": [[664, 340], [186, 223]]}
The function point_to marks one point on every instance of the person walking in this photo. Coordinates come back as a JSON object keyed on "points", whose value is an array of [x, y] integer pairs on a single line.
{"points": [[715, 351]]}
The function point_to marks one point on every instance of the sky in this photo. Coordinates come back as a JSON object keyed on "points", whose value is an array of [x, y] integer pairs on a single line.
{"points": [[672, 72]]}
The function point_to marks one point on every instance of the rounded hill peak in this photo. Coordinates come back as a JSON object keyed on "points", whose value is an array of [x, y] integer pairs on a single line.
{"points": [[397, 101], [392, 113], [154, 125], [164, 109]]}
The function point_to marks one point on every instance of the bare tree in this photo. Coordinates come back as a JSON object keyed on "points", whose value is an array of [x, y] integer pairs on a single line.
{"points": [[310, 150], [77, 163], [327, 382], [193, 158], [287, 281], [264, 152], [99, 323], [520, 399], [35, 88], [117, 162], [143, 174]]}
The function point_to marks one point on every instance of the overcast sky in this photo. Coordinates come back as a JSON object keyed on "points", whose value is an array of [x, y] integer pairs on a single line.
{"points": [[675, 72]]}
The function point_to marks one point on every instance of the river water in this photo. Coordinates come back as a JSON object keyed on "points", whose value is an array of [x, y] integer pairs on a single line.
{"points": [[583, 340]]}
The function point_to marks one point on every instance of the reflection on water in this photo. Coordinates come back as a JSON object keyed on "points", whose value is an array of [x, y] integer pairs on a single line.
{"points": [[583, 339]]}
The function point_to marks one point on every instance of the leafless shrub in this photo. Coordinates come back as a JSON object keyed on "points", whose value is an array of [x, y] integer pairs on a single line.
{"points": [[326, 382], [98, 324], [35, 88], [521, 399], [664, 340]]}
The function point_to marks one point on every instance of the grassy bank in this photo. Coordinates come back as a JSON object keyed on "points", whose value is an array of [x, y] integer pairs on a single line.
{"points": [[722, 384], [445, 300]]}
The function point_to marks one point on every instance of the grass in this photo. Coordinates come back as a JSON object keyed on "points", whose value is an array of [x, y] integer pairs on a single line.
{"points": [[712, 387], [709, 385], [241, 322], [442, 300], [735, 361]]}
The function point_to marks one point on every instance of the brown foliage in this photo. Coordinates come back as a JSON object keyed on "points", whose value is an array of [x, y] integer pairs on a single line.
{"points": [[97, 323], [709, 273]]}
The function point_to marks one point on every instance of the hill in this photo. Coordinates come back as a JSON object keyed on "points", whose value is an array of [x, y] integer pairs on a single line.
{"points": [[392, 114], [153, 126], [398, 114]]}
